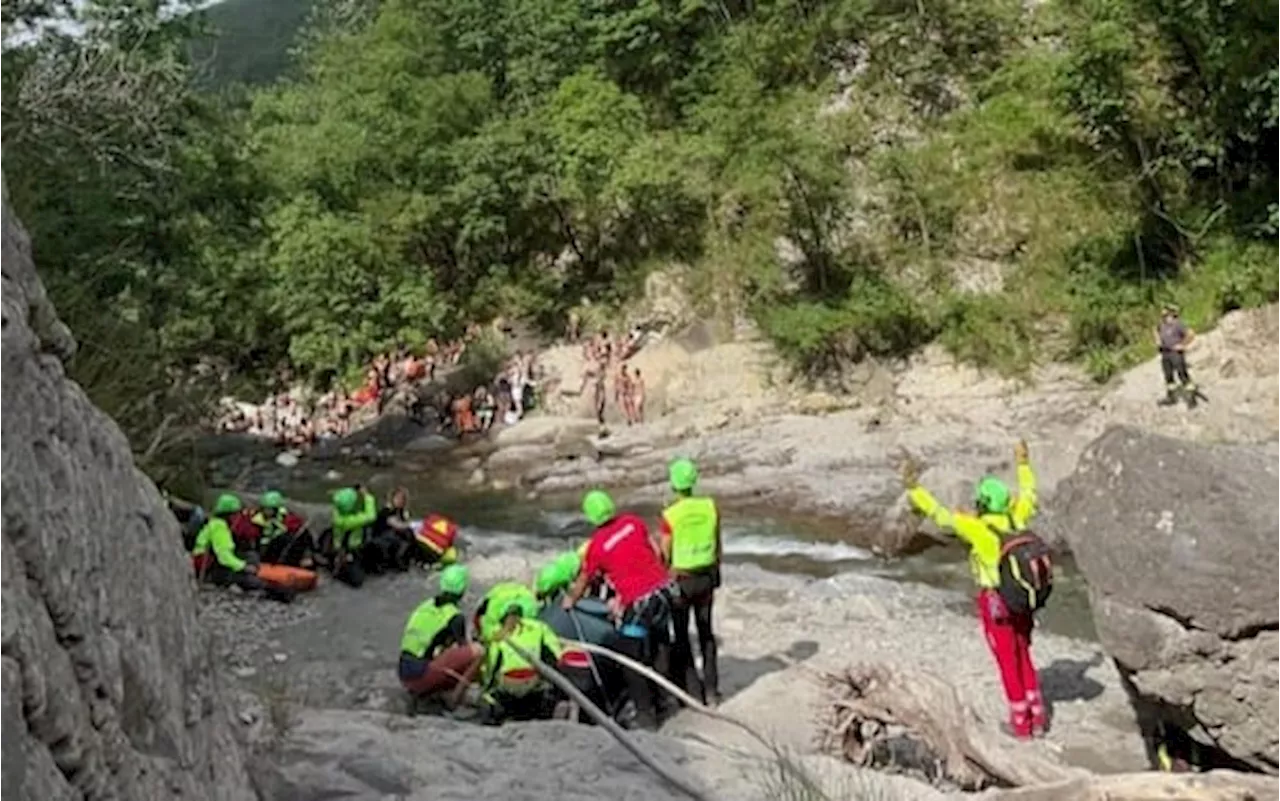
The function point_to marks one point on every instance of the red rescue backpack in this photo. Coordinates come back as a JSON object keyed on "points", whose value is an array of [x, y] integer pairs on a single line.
{"points": [[1026, 572]]}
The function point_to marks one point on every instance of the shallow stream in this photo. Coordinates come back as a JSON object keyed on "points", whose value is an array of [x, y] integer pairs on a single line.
{"points": [[493, 522]]}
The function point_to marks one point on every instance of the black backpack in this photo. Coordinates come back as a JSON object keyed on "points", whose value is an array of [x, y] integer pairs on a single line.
{"points": [[1026, 572]]}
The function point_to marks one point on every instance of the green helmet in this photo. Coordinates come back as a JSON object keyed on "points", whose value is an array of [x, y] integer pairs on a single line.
{"points": [[570, 563], [598, 507], [271, 499], [503, 599], [346, 500], [227, 504], [454, 580], [551, 578], [683, 474], [559, 573], [992, 495]]}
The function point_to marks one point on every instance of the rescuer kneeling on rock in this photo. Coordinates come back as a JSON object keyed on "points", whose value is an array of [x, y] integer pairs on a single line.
{"points": [[513, 687], [435, 652]]}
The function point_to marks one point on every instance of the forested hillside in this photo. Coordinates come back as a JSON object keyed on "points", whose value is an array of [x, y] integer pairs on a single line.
{"points": [[1021, 181]]}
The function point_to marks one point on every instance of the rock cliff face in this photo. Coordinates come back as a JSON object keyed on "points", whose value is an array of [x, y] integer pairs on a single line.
{"points": [[1178, 543], [109, 689]]}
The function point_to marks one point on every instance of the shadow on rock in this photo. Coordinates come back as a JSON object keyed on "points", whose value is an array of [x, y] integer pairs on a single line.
{"points": [[1066, 680], [737, 674]]}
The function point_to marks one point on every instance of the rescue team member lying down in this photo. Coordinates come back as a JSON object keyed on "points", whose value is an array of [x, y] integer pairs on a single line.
{"points": [[279, 536], [435, 652], [984, 531], [214, 555], [622, 552], [690, 538]]}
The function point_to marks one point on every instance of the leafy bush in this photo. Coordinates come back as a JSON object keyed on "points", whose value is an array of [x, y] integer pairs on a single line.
{"points": [[876, 319], [989, 331]]}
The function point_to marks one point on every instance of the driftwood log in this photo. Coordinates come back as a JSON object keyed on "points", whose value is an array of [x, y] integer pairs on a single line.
{"points": [[914, 721], [1216, 785]]}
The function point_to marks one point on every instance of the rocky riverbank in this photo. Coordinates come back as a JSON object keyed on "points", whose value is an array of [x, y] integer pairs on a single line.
{"points": [[335, 649], [836, 456]]}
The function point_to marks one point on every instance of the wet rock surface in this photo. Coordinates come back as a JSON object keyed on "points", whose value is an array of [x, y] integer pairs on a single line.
{"points": [[110, 688], [1178, 544]]}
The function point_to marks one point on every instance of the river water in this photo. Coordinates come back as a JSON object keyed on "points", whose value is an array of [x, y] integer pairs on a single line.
{"points": [[492, 522]]}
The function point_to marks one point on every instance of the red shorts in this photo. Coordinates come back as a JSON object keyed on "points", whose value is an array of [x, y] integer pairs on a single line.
{"points": [[442, 672]]}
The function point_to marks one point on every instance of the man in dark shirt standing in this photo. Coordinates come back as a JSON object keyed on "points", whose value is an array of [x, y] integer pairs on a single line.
{"points": [[1173, 337]]}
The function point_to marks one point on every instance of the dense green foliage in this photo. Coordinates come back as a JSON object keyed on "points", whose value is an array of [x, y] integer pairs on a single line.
{"points": [[850, 172]]}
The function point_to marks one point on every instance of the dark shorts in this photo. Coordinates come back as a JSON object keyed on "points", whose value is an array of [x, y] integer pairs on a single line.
{"points": [[695, 588]]}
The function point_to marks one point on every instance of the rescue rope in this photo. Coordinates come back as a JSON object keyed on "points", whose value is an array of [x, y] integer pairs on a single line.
{"points": [[595, 672], [610, 725], [669, 686]]}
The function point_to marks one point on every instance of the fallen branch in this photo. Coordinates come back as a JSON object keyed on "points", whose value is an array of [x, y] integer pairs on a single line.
{"points": [[880, 717], [1216, 785]]}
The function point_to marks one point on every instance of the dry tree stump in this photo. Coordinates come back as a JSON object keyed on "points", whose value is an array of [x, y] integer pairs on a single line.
{"points": [[914, 722]]}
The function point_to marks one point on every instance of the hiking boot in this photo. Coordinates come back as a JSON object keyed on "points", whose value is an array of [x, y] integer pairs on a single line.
{"points": [[1168, 400], [1016, 732]]}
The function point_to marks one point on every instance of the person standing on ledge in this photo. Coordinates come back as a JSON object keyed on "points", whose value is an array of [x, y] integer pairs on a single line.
{"points": [[988, 532], [1173, 337], [691, 544]]}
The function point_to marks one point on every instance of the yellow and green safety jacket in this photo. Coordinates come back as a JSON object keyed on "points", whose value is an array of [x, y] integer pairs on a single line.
{"points": [[498, 600], [271, 527], [422, 633], [693, 523], [982, 533], [349, 530], [507, 671], [216, 535]]}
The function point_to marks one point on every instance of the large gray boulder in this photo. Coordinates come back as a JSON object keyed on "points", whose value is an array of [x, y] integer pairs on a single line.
{"points": [[1178, 543], [109, 688]]}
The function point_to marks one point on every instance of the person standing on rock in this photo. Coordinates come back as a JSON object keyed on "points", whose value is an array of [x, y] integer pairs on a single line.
{"points": [[1008, 635], [599, 392], [435, 651], [690, 538], [637, 395], [1173, 338], [622, 552]]}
